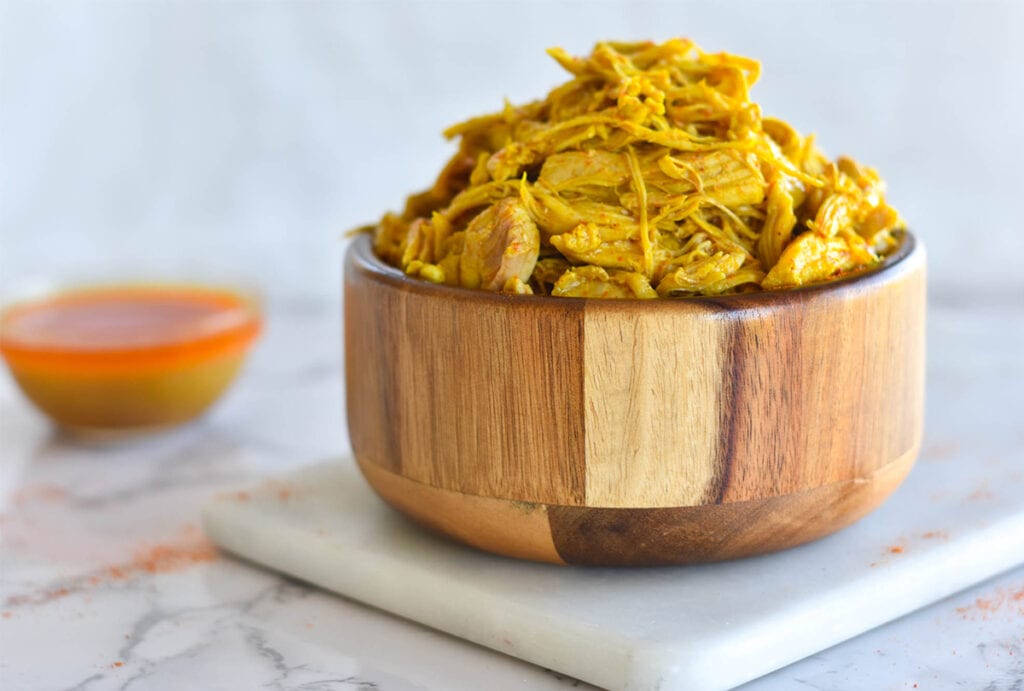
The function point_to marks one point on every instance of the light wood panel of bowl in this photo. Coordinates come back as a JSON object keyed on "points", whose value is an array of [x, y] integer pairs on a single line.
{"points": [[635, 432]]}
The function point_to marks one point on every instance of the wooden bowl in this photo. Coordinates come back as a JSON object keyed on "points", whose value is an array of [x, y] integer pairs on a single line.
{"points": [[581, 431]]}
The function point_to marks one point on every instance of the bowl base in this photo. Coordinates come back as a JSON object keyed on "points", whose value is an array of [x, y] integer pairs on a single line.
{"points": [[638, 536]]}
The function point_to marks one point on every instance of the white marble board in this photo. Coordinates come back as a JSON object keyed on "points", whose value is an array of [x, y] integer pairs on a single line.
{"points": [[958, 519]]}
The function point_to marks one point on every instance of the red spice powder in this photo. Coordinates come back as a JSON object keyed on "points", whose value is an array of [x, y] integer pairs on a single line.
{"points": [[39, 598], [281, 490], [168, 557], [902, 545], [1008, 601], [982, 494], [234, 496], [43, 492], [940, 451], [270, 487]]}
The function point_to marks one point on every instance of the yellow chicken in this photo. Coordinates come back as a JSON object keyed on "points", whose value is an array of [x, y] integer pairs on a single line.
{"points": [[650, 173]]}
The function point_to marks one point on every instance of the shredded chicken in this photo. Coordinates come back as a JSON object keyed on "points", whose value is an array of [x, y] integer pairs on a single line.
{"points": [[650, 173]]}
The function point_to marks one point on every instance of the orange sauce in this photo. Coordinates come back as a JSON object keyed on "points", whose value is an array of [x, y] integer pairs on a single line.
{"points": [[128, 356]]}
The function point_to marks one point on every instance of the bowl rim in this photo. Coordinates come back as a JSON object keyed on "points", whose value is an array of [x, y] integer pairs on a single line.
{"points": [[232, 326], [363, 258]]}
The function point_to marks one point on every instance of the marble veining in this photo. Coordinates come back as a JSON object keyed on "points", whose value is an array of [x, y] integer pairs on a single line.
{"points": [[72, 510], [699, 628]]}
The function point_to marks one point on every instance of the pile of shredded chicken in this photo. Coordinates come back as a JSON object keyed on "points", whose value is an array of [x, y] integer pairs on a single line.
{"points": [[650, 173]]}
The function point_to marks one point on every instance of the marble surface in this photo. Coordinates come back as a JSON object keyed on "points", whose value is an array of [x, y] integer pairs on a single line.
{"points": [[696, 628], [106, 583]]}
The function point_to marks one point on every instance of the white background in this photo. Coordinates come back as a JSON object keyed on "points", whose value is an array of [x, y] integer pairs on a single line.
{"points": [[247, 138]]}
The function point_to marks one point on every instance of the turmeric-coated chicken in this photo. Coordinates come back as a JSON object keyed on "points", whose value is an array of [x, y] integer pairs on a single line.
{"points": [[650, 173]]}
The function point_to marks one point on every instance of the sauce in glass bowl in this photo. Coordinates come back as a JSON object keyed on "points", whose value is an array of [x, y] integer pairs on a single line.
{"points": [[128, 357]]}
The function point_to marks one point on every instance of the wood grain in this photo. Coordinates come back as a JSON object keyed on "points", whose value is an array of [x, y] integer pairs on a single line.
{"points": [[511, 528], [716, 532], [638, 537], [634, 404], [824, 389], [652, 417], [457, 394]]}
